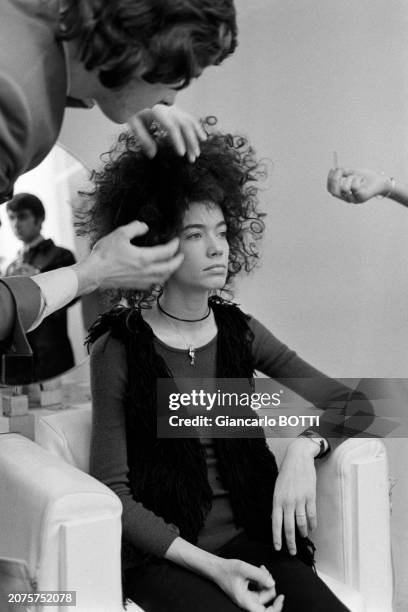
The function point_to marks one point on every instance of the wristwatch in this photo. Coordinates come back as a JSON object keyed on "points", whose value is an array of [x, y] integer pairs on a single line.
{"points": [[322, 443]]}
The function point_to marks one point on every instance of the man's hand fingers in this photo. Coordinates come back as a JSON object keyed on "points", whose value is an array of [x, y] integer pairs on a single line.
{"points": [[277, 605], [145, 139], [152, 274], [133, 229], [301, 520], [160, 252], [191, 140], [201, 133], [160, 272], [289, 525], [250, 603], [277, 518], [174, 134]]}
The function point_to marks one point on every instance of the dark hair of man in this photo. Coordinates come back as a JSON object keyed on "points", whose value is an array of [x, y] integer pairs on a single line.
{"points": [[158, 191], [27, 201], [168, 40]]}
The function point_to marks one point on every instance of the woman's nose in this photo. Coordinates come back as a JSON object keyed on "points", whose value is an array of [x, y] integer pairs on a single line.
{"points": [[215, 249]]}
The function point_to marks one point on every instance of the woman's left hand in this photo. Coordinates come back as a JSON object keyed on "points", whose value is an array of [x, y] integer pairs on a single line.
{"points": [[181, 129], [294, 499]]}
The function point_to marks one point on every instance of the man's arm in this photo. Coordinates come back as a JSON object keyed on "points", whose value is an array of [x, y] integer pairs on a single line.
{"points": [[113, 263], [14, 133], [20, 301], [7, 312], [22, 294]]}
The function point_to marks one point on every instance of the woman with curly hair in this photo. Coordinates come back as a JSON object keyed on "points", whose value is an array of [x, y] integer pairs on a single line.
{"points": [[197, 528]]}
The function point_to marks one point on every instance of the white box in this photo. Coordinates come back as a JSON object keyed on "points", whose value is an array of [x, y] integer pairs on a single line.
{"points": [[15, 405]]}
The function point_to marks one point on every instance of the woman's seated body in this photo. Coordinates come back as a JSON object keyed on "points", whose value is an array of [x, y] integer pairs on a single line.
{"points": [[208, 523]]}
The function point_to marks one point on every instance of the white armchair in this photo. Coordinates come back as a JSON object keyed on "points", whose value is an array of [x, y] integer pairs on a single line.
{"points": [[66, 525]]}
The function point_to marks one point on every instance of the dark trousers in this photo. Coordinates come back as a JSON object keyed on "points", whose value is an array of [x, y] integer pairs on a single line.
{"points": [[162, 586]]}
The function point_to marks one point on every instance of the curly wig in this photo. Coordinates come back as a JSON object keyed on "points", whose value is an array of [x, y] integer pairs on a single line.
{"points": [[158, 191], [169, 40]]}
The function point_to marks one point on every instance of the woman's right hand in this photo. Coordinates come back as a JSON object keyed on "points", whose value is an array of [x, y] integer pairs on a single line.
{"points": [[357, 186], [250, 587]]}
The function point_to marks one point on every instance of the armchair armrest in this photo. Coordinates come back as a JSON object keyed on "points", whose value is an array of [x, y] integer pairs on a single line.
{"points": [[63, 523], [353, 535], [353, 532]]}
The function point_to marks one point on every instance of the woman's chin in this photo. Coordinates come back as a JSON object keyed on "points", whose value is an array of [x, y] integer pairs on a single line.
{"points": [[217, 285]]}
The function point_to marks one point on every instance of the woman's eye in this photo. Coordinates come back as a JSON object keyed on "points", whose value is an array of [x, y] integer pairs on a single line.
{"points": [[194, 236], [223, 233]]}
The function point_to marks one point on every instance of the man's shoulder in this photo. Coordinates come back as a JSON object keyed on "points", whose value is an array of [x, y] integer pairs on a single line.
{"points": [[32, 87]]}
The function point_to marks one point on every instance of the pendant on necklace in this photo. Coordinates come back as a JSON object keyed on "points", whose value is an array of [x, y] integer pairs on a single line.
{"points": [[191, 353]]}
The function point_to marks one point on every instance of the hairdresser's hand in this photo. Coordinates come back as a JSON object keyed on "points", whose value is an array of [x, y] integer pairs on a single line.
{"points": [[236, 577], [115, 263], [182, 130], [294, 499], [357, 186]]}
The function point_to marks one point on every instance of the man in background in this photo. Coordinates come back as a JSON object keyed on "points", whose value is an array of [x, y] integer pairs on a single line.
{"points": [[52, 351]]}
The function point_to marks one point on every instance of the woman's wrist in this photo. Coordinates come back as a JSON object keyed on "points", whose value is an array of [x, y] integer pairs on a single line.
{"points": [[303, 444], [195, 559]]}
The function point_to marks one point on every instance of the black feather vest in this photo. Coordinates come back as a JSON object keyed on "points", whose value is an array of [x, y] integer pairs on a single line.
{"points": [[169, 476]]}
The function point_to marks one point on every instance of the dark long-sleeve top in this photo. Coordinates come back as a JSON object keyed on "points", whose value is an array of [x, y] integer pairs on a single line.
{"points": [[109, 374]]}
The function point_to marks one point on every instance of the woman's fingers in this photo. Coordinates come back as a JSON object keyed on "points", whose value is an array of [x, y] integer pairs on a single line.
{"points": [[277, 520], [311, 514], [267, 594], [263, 579], [301, 519], [284, 516], [289, 526]]}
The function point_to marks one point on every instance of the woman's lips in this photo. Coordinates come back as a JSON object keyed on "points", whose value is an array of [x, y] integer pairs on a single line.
{"points": [[216, 268]]}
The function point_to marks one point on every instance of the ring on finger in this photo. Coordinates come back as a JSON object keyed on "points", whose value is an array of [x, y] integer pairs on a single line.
{"points": [[157, 130]]}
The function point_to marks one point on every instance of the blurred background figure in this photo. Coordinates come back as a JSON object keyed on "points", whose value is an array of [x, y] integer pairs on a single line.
{"points": [[52, 350]]}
